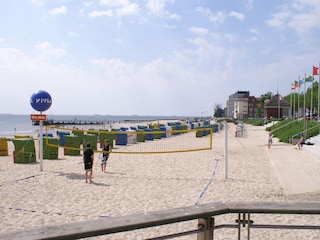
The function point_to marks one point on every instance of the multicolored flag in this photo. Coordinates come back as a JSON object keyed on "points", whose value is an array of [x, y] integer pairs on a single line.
{"points": [[293, 87], [315, 71], [309, 79], [297, 84]]}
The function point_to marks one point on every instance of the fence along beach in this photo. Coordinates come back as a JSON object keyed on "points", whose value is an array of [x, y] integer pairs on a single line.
{"points": [[150, 182]]}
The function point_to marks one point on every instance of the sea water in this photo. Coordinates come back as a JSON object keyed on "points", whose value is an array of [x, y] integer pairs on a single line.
{"points": [[12, 124]]}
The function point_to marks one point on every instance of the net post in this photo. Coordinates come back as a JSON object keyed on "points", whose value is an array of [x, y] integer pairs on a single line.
{"points": [[41, 145], [225, 149]]}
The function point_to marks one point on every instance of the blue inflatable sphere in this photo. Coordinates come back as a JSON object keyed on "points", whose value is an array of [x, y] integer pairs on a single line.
{"points": [[40, 100]]}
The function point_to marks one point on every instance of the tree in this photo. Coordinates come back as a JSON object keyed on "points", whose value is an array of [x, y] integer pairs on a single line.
{"points": [[264, 98], [218, 111]]}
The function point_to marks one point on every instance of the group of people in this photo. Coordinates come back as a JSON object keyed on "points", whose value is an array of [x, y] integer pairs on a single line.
{"points": [[88, 159], [299, 144]]}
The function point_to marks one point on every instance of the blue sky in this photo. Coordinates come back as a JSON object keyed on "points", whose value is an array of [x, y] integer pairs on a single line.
{"points": [[152, 57]]}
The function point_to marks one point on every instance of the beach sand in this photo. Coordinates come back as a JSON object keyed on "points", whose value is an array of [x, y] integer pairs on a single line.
{"points": [[137, 183]]}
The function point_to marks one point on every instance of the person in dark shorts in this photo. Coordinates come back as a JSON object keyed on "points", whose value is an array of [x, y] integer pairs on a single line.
{"points": [[88, 157], [105, 155]]}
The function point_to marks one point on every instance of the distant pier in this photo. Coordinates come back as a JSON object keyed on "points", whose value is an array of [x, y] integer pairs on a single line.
{"points": [[69, 122]]}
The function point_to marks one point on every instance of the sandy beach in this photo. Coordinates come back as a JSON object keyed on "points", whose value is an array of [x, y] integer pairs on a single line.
{"points": [[137, 183]]}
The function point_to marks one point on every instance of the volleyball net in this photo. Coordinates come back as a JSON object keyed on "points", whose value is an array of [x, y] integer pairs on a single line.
{"points": [[127, 141]]}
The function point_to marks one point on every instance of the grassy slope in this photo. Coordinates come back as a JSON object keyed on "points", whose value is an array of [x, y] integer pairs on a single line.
{"points": [[286, 129]]}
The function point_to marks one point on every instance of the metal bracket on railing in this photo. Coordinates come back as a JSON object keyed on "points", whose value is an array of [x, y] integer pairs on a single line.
{"points": [[244, 222], [201, 226]]}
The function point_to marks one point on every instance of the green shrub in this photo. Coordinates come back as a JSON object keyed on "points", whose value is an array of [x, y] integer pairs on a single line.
{"points": [[254, 122]]}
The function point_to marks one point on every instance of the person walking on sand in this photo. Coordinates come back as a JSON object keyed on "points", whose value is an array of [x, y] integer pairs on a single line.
{"points": [[88, 158], [301, 142], [105, 155], [270, 139]]}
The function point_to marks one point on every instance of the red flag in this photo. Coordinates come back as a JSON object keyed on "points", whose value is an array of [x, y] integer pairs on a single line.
{"points": [[293, 87], [315, 70]]}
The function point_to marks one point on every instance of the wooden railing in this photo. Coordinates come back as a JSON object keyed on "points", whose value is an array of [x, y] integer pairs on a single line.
{"points": [[204, 213]]}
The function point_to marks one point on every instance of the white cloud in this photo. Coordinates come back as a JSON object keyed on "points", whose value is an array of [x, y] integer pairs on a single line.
{"points": [[249, 4], [184, 71], [97, 13], [115, 68], [10, 55], [205, 11], [116, 7], [37, 2], [230, 37], [127, 9], [174, 16], [198, 41], [219, 17], [254, 37], [158, 7], [128, 80], [72, 34], [254, 31], [237, 15], [84, 8], [199, 30], [304, 22], [299, 15], [58, 11], [114, 3], [305, 15], [46, 50], [87, 4], [206, 51], [279, 19]]}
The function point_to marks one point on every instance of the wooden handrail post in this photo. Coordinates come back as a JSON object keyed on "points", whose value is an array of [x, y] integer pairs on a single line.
{"points": [[205, 224]]}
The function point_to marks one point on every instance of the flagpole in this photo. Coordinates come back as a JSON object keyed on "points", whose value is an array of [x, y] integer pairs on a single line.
{"points": [[290, 113], [299, 98], [311, 109], [278, 101], [294, 102], [304, 107], [318, 96]]}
